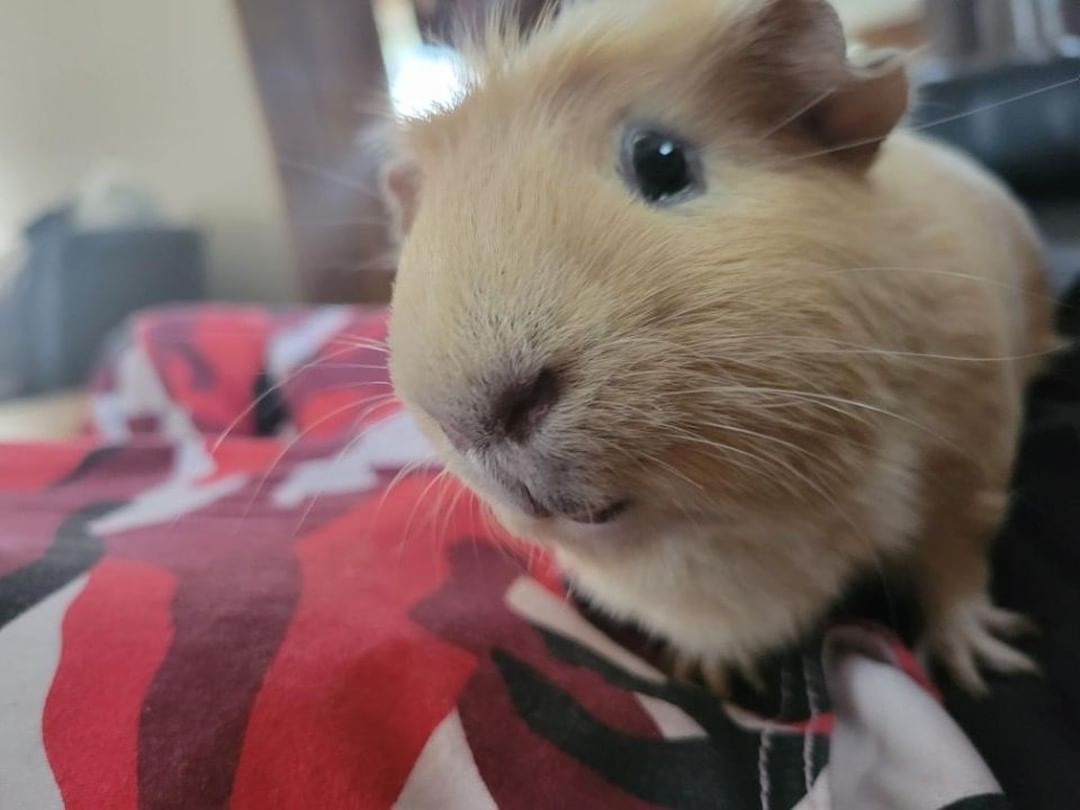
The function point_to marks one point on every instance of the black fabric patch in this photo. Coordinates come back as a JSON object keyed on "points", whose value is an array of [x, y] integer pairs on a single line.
{"points": [[269, 409], [1028, 729], [989, 802], [687, 775], [72, 552], [90, 462], [720, 770]]}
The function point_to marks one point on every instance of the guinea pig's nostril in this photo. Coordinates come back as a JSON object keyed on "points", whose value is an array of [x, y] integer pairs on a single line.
{"points": [[520, 409]]}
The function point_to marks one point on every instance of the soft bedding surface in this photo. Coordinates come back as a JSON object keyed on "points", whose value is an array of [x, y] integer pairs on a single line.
{"points": [[249, 586]]}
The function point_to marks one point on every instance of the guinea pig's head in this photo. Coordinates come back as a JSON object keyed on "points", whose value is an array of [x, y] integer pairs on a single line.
{"points": [[616, 301]]}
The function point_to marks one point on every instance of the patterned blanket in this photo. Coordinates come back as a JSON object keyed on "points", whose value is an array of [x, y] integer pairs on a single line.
{"points": [[250, 586]]}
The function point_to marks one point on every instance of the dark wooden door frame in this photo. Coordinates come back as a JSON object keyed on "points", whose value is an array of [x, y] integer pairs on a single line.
{"points": [[321, 79]]}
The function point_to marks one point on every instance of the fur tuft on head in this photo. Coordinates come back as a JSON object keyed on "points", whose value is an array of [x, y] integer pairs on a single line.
{"points": [[773, 67]]}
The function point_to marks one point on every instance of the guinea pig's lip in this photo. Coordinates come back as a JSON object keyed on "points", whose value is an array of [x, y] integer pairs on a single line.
{"points": [[605, 514]]}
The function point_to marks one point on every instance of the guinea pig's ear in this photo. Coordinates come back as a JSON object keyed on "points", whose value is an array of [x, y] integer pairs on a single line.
{"points": [[399, 181], [853, 120], [848, 102]]}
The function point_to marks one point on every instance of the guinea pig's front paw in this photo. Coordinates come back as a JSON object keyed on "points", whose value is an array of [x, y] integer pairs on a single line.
{"points": [[975, 632]]}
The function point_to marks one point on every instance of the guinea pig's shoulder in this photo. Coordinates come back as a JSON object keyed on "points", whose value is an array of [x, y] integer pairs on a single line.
{"points": [[910, 158]]}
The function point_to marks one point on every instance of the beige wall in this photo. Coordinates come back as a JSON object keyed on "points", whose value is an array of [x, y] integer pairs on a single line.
{"points": [[858, 15], [164, 86]]}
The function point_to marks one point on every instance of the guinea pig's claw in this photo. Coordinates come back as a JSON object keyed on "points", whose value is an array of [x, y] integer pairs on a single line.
{"points": [[717, 678], [679, 665], [972, 634], [714, 674], [751, 673]]}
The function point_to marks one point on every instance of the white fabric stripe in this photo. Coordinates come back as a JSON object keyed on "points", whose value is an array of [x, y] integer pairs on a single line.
{"points": [[167, 502], [673, 722], [181, 493], [818, 798], [391, 444], [138, 392], [893, 745], [445, 776], [528, 599], [110, 417], [298, 344], [141, 392], [192, 460], [29, 655]]}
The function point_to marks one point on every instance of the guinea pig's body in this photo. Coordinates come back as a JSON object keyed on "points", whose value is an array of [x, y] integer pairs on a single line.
{"points": [[926, 488], [725, 371]]}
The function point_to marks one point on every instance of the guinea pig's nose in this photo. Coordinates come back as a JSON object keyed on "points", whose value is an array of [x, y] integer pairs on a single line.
{"points": [[507, 412], [520, 408]]}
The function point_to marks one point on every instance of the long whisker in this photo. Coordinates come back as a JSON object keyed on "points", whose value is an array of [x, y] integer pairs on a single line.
{"points": [[932, 124], [420, 501], [404, 473], [797, 114], [1017, 288], [354, 184], [360, 343], [357, 367], [342, 454], [400, 476], [269, 392], [853, 403], [374, 403]]}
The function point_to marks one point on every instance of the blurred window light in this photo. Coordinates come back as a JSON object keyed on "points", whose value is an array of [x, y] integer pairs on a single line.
{"points": [[422, 77]]}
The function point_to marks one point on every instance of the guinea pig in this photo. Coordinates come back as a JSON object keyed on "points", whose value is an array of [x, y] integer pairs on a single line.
{"points": [[676, 302]]}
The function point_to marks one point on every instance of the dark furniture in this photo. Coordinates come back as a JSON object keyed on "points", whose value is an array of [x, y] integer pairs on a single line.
{"points": [[76, 287]]}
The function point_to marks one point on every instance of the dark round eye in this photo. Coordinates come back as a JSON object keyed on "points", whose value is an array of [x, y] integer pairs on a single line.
{"points": [[661, 167]]}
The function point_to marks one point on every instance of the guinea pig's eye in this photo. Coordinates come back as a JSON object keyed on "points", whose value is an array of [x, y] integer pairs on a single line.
{"points": [[660, 167]]}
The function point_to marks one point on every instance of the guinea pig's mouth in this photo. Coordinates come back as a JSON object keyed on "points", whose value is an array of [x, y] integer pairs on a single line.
{"points": [[602, 515], [530, 486], [584, 515]]}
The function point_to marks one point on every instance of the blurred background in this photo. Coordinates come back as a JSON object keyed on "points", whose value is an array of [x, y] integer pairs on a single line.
{"points": [[160, 151]]}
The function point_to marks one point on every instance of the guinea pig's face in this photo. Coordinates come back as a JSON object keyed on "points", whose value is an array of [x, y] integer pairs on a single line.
{"points": [[603, 300]]}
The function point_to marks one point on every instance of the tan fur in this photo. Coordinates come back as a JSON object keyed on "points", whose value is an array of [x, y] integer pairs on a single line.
{"points": [[812, 371]]}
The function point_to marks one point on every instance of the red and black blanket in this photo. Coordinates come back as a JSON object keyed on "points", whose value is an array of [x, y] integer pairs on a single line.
{"points": [[250, 586]]}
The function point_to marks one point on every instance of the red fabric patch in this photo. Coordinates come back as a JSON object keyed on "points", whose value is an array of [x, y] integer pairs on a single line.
{"points": [[240, 454], [33, 466], [357, 687], [31, 514], [115, 635], [208, 360], [346, 411]]}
